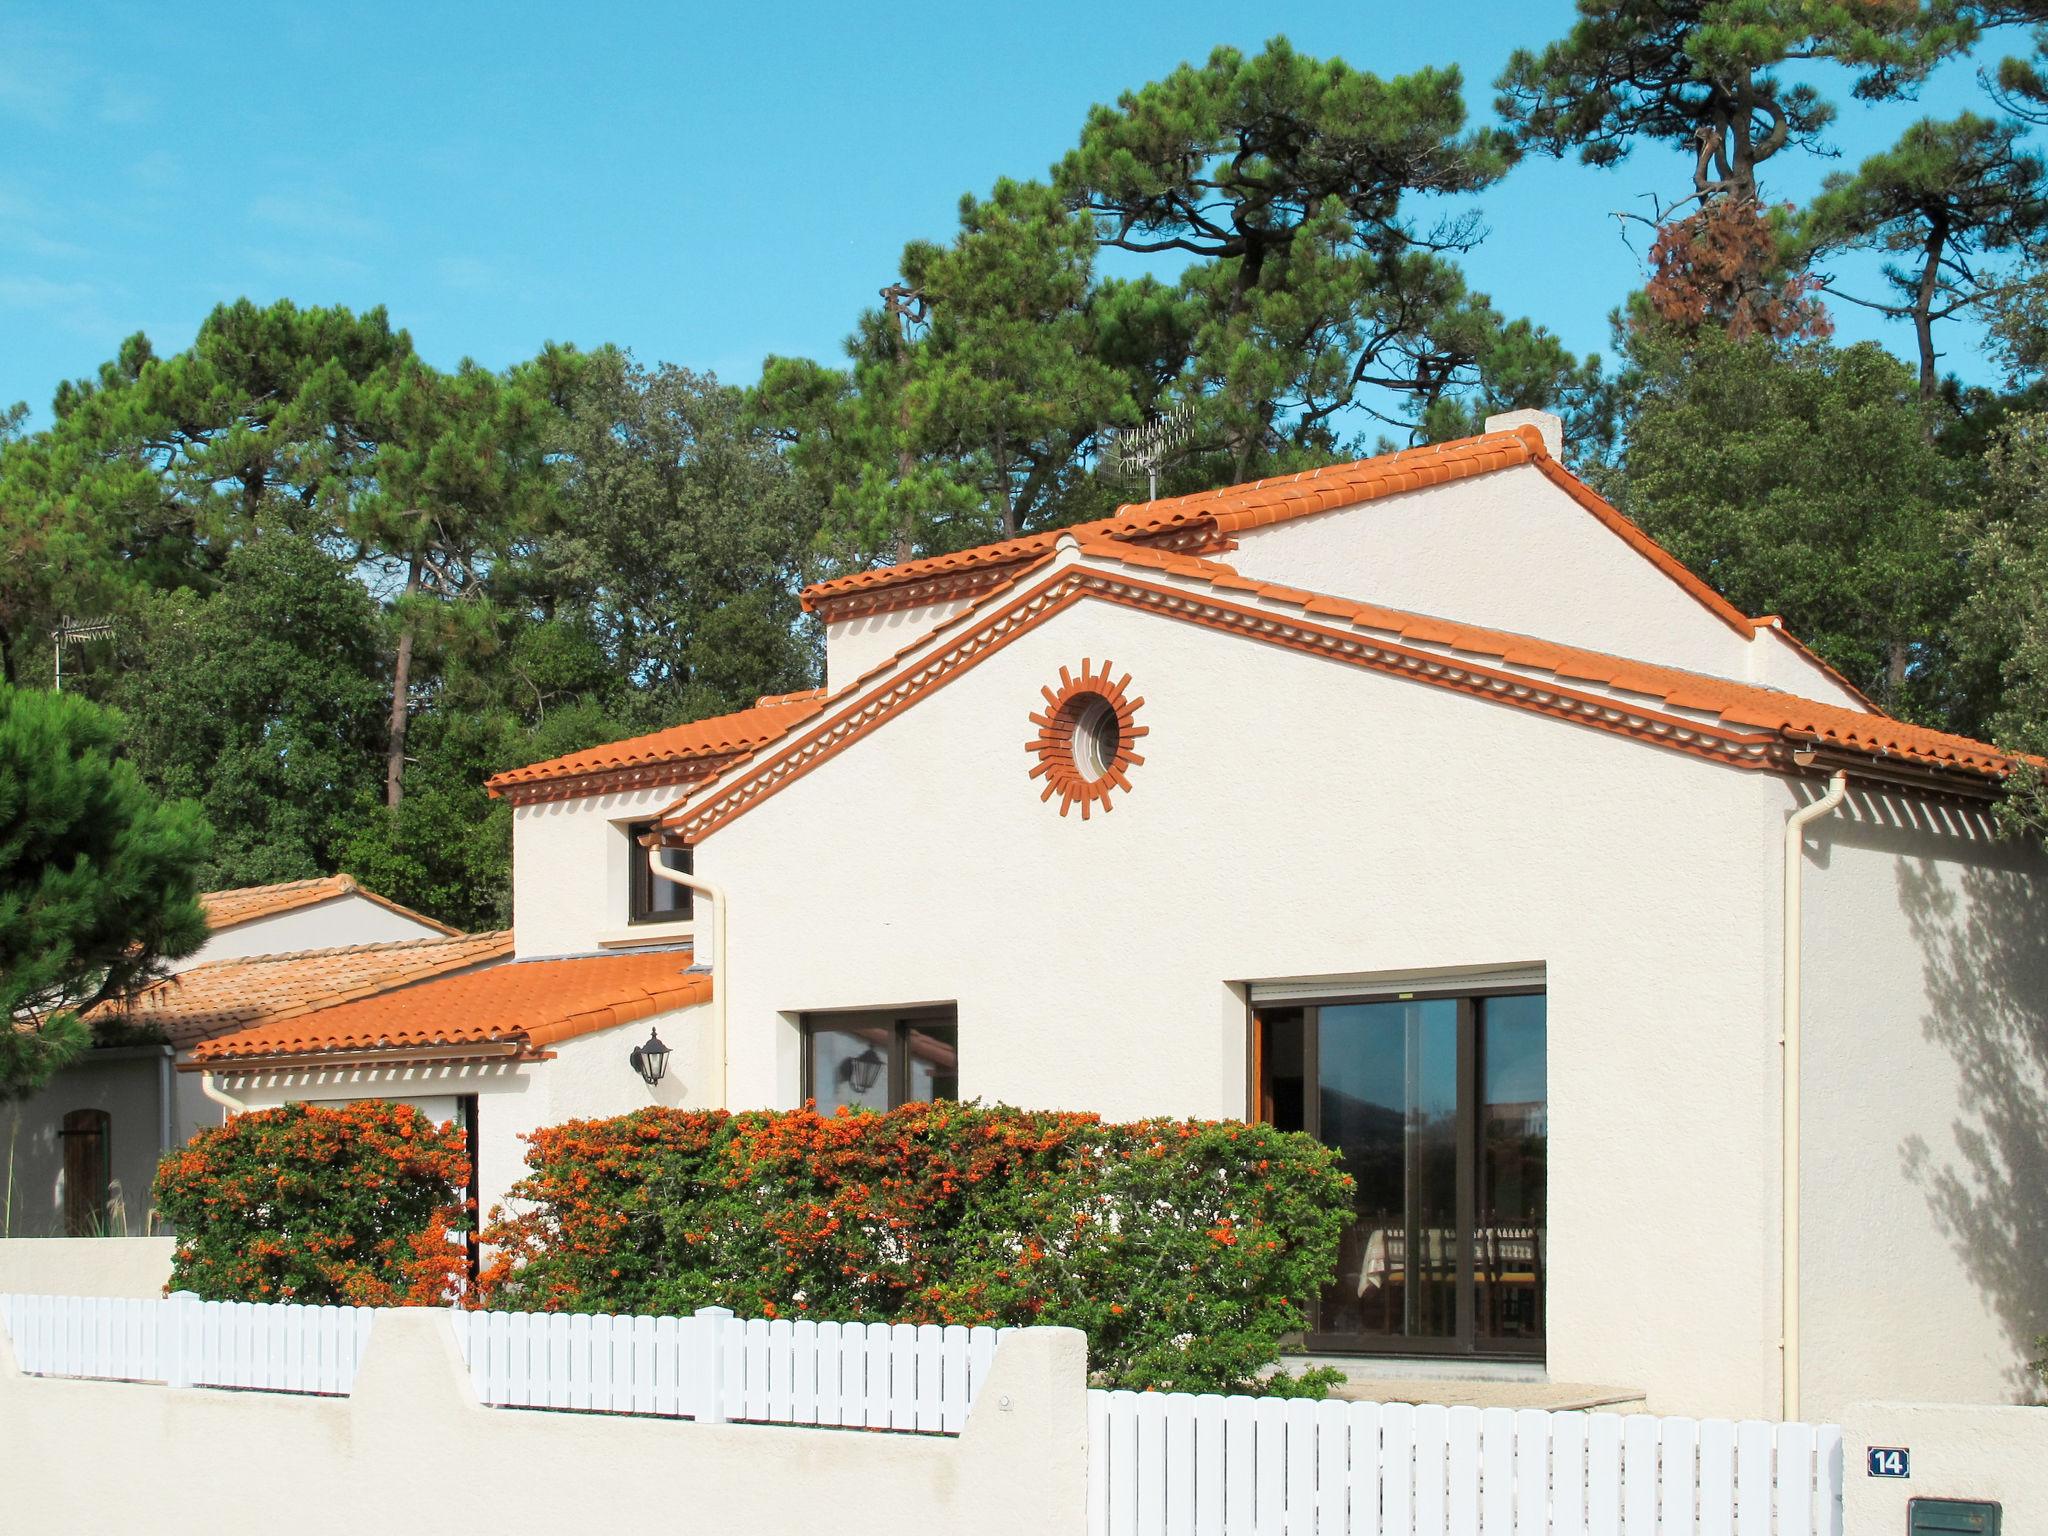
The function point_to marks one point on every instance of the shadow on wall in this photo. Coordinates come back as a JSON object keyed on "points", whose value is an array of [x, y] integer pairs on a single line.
{"points": [[1983, 938]]}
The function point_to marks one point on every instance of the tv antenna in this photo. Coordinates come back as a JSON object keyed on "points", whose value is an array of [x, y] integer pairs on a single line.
{"points": [[1142, 450], [72, 632]]}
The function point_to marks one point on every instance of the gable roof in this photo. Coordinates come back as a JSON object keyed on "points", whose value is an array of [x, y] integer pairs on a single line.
{"points": [[1205, 521], [225, 995], [229, 909], [513, 1011], [1741, 724], [1746, 705], [675, 755]]}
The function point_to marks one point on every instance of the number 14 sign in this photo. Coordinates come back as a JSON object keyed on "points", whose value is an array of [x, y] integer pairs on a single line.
{"points": [[1890, 1461]]}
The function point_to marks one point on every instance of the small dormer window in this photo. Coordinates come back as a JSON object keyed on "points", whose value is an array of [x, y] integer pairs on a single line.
{"points": [[652, 900]]}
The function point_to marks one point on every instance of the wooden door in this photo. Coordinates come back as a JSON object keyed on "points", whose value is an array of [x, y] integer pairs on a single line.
{"points": [[85, 1172]]}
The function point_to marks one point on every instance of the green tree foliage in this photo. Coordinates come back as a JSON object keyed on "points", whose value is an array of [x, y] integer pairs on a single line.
{"points": [[1314, 289], [1947, 198], [262, 700], [684, 538], [1187, 1250], [1708, 78], [97, 878], [2004, 620], [1801, 480], [1295, 300]]}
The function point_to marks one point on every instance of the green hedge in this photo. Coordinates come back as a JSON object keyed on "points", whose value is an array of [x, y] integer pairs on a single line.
{"points": [[1185, 1249]]}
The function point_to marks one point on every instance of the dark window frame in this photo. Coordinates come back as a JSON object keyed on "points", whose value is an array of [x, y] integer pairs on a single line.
{"points": [[640, 907], [899, 1022], [1463, 1343]]}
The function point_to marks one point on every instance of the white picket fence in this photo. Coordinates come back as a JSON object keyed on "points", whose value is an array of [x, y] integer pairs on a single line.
{"points": [[185, 1342], [713, 1367], [1177, 1464]]}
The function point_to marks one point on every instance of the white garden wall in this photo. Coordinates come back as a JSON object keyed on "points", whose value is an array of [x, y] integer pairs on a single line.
{"points": [[137, 1267], [1954, 1452], [412, 1436]]}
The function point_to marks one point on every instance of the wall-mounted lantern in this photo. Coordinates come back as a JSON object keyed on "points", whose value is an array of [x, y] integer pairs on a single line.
{"points": [[861, 1071], [650, 1060]]}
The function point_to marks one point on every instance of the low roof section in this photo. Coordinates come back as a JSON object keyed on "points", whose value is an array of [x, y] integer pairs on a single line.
{"points": [[222, 996], [230, 909], [517, 1010]]}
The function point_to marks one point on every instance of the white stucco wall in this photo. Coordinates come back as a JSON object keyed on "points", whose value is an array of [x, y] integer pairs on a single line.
{"points": [[345, 920], [2000, 1454], [854, 645], [1296, 817], [1512, 551], [1925, 1108], [126, 1084], [569, 873], [137, 1267], [588, 1077]]}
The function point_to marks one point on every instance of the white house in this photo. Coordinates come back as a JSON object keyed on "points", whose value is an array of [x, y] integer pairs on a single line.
{"points": [[1423, 804], [78, 1157]]}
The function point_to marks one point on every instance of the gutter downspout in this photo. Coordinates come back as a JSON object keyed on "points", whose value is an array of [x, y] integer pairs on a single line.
{"points": [[721, 907], [234, 1106], [166, 1121], [1788, 1040]]}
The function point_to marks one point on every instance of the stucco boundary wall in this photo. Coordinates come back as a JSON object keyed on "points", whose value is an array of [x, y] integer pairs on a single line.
{"points": [[412, 1438], [136, 1267], [1957, 1451]]}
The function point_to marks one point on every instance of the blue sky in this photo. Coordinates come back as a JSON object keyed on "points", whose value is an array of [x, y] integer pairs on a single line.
{"points": [[705, 185]]}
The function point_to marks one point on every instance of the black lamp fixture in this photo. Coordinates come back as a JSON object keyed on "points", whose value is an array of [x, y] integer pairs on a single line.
{"points": [[650, 1060], [861, 1071]]}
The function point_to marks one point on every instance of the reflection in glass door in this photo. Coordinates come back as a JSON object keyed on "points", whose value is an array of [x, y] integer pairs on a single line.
{"points": [[1438, 1106]]}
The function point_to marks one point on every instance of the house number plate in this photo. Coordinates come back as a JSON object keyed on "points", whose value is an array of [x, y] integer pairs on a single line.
{"points": [[1890, 1461]]}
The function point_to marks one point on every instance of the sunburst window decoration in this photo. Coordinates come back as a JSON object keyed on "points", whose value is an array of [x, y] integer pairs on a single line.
{"points": [[1086, 732]]}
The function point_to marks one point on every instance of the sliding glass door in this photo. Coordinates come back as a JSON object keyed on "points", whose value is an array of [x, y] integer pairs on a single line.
{"points": [[1438, 1106]]}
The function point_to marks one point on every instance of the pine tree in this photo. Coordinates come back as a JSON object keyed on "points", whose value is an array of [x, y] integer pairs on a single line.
{"points": [[98, 878], [1944, 200]]}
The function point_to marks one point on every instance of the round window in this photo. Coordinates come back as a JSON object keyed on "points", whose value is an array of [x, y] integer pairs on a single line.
{"points": [[1085, 743], [1097, 737]]}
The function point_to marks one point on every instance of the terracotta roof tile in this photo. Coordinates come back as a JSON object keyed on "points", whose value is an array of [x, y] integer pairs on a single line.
{"points": [[226, 909], [718, 736], [1261, 503], [225, 995], [1733, 703], [527, 1004]]}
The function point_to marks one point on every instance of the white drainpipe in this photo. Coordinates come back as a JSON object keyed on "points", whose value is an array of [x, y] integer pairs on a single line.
{"points": [[1788, 1039], [722, 908], [234, 1106]]}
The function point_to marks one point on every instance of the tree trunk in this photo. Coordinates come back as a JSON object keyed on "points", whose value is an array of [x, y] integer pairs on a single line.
{"points": [[401, 687], [1923, 311], [1895, 669]]}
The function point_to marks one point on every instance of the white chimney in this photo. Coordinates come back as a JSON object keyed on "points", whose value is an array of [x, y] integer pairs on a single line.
{"points": [[1545, 423]]}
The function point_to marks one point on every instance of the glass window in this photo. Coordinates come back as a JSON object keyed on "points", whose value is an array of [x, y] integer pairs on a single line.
{"points": [[874, 1061], [1438, 1106], [649, 899]]}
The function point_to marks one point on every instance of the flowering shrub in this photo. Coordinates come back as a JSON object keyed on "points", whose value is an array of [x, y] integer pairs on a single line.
{"points": [[354, 1206], [1185, 1249]]}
